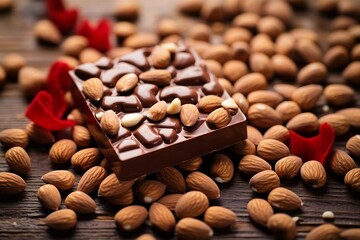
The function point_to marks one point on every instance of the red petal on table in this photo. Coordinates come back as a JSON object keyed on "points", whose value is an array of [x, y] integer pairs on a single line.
{"points": [[98, 35], [313, 148], [59, 77], [41, 111], [64, 19]]}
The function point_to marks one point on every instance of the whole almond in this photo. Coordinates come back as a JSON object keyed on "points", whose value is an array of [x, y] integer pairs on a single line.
{"points": [[158, 77], [282, 226], [62, 151], [191, 7], [209, 103], [261, 63], [124, 199], [219, 217], [352, 114], [141, 40], [157, 111], [259, 211], [325, 231], [170, 200], [351, 73], [46, 31], [127, 82], [219, 53], [49, 197], [339, 122], [149, 191], [80, 202], [264, 181], [252, 164], [254, 135], [191, 204], [285, 44], [86, 158], [279, 9], [160, 57], [234, 69], [14, 137], [288, 167], [38, 134], [284, 199], [288, 110], [313, 174], [174, 107], [236, 34], [12, 63], [200, 31], [353, 146], [93, 89], [31, 81], [11, 183], [340, 162], [263, 116], [240, 51], [190, 165], [285, 90], [350, 234], [247, 20], [110, 123], [304, 123], [340, 38], [161, 217], [73, 45], [308, 50], [62, 179], [200, 182], [307, 96], [265, 96], [221, 168], [131, 119], [312, 73], [352, 180], [167, 27], [250, 82], [18, 160], [76, 116], [189, 114], [91, 179], [81, 136], [243, 148], [214, 67], [272, 150], [64, 219], [90, 55], [277, 132], [284, 67], [191, 228], [111, 186], [262, 43], [173, 179], [131, 217], [336, 57], [218, 118], [241, 101], [339, 94]]}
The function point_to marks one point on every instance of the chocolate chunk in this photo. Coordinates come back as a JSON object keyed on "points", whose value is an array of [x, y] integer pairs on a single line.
{"points": [[168, 135], [183, 60], [127, 144], [147, 136], [169, 122], [147, 94], [136, 58], [192, 76], [212, 88], [125, 104], [87, 70], [104, 63], [185, 94], [110, 77]]}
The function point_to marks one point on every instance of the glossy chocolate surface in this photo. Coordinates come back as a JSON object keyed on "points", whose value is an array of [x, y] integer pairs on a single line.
{"points": [[150, 146]]}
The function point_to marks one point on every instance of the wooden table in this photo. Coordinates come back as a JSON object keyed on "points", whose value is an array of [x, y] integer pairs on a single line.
{"points": [[21, 217]]}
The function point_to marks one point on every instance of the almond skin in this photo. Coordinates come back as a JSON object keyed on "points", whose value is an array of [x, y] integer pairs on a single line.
{"points": [[170, 200], [307, 96], [312, 73], [350, 234], [264, 181], [131, 217], [285, 90], [340, 162], [161, 217], [86, 158], [221, 168], [93, 89], [191, 228], [62, 179], [38, 134], [64, 219], [282, 226], [263, 116], [158, 77], [81, 136], [259, 211], [288, 167], [288, 110], [173, 179], [325, 231], [252, 164], [265, 96], [250, 82], [11, 183], [80, 202], [219, 217], [353, 146], [339, 94], [218, 118], [352, 114], [91, 179], [191, 204], [243, 148], [284, 199], [209, 103], [49, 197], [200, 182], [157, 111], [253, 134], [160, 57], [313, 174], [352, 73], [111, 186], [62, 151], [259, 62], [277, 132], [18, 160], [339, 122], [284, 67], [304, 123], [189, 114], [272, 150], [241, 101], [149, 191], [127, 82], [191, 164], [14, 137], [110, 123], [123, 199]]}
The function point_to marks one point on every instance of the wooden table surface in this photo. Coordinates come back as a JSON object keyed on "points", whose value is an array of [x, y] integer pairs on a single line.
{"points": [[21, 217]]}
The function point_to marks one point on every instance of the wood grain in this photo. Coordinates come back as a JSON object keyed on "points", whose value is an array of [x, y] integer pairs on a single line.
{"points": [[21, 216]]}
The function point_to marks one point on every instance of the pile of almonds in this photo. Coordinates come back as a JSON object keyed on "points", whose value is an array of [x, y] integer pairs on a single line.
{"points": [[277, 74]]}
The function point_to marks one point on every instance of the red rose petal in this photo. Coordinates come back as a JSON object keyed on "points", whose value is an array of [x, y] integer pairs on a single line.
{"points": [[64, 19], [97, 34], [314, 148]]}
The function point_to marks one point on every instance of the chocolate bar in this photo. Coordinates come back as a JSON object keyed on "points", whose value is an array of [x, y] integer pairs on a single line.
{"points": [[169, 108]]}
